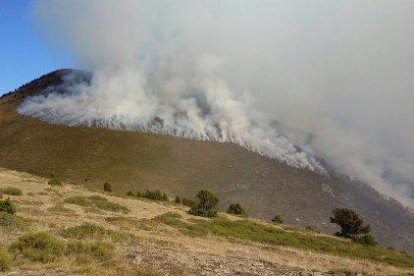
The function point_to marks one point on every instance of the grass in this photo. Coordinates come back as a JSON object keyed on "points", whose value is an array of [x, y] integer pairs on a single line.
{"points": [[12, 191], [45, 247], [39, 247], [60, 209], [252, 231], [96, 201], [84, 250], [91, 231], [12, 223], [6, 259]]}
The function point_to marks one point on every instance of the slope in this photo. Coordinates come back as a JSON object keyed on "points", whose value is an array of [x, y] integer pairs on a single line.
{"points": [[138, 161]]}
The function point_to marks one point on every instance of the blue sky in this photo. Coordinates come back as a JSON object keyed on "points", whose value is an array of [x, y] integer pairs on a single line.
{"points": [[23, 53]]}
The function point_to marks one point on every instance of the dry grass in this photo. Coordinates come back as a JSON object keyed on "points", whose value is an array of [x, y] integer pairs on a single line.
{"points": [[144, 245]]}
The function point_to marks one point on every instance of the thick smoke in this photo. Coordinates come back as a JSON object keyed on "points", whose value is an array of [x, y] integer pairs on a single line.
{"points": [[338, 70]]}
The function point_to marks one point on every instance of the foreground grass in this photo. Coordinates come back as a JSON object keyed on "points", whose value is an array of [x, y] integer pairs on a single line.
{"points": [[252, 231], [5, 259], [88, 257]]}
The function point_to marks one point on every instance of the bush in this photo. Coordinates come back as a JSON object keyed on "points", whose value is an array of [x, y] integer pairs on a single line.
{"points": [[7, 206], [155, 195], [107, 187], [350, 222], [83, 231], [207, 205], [39, 247], [12, 191], [139, 194], [130, 193], [188, 202], [277, 219], [177, 199], [366, 239], [5, 259], [55, 182], [236, 209]]}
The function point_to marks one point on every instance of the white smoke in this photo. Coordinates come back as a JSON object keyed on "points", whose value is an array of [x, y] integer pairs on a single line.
{"points": [[220, 70]]}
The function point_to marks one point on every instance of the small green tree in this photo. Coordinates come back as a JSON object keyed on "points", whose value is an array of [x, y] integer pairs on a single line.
{"points": [[207, 205], [351, 224], [277, 219], [107, 187], [130, 193], [177, 199], [7, 206], [236, 209]]}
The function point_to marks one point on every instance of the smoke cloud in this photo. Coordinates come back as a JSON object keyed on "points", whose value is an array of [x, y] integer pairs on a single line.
{"points": [[337, 73]]}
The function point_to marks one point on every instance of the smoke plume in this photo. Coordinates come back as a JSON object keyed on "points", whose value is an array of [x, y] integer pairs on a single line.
{"points": [[337, 72]]}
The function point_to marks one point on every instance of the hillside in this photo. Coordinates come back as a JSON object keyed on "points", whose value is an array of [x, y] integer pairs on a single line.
{"points": [[94, 233], [138, 161]]}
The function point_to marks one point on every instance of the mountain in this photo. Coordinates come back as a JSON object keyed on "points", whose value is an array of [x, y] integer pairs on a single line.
{"points": [[136, 161]]}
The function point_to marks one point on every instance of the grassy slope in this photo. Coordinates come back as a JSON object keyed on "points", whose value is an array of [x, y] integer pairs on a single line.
{"points": [[161, 238], [137, 161]]}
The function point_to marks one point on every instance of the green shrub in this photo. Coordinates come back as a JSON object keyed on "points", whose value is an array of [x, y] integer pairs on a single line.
{"points": [[188, 202], [155, 195], [107, 187], [12, 191], [236, 209], [207, 205], [277, 219], [139, 194], [78, 200], [55, 182], [7, 206], [5, 259], [177, 199], [39, 247], [366, 239], [130, 193]]}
